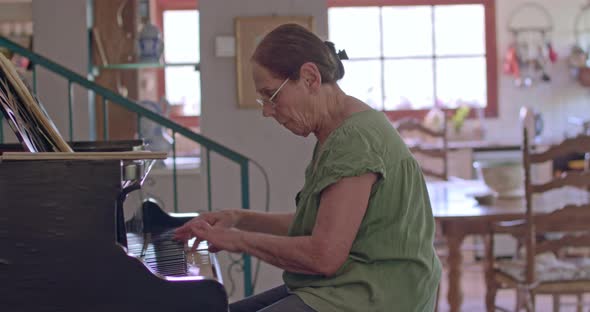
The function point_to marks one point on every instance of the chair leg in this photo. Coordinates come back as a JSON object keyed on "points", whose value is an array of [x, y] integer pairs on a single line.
{"points": [[556, 303], [437, 298], [530, 303], [491, 291], [579, 302], [518, 304], [524, 300]]}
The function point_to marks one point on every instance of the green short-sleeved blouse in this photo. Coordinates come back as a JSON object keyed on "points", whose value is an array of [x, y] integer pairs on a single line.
{"points": [[392, 265]]}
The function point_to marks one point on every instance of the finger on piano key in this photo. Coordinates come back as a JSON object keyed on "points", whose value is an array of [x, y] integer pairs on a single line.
{"points": [[183, 233], [196, 245]]}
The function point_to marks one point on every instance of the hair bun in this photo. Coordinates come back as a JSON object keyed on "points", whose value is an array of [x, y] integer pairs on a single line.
{"points": [[330, 46]]}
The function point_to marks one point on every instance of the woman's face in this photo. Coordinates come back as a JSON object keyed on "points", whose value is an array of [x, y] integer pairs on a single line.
{"points": [[290, 106]]}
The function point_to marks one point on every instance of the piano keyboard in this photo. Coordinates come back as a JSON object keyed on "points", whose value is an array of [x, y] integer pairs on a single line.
{"points": [[168, 257]]}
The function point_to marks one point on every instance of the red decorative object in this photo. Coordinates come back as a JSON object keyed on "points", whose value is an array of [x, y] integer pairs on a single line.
{"points": [[552, 53], [511, 63]]}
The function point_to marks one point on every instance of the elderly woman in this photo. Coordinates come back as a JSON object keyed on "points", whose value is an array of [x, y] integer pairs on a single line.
{"points": [[361, 237]]}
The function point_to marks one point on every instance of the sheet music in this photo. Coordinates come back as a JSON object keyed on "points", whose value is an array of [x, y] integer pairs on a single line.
{"points": [[25, 114]]}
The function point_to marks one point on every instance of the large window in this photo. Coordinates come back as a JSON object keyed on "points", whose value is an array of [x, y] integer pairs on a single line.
{"points": [[181, 42], [180, 85], [409, 56]]}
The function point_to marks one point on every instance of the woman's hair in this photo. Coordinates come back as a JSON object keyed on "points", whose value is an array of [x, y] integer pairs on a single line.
{"points": [[287, 47]]}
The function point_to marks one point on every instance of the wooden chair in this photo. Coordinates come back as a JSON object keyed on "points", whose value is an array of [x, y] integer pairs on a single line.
{"points": [[531, 275], [425, 142]]}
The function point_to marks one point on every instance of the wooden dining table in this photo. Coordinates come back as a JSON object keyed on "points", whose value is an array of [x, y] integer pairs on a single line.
{"points": [[459, 215]]}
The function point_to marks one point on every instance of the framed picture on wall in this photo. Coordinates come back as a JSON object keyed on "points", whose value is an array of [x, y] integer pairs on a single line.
{"points": [[249, 32]]}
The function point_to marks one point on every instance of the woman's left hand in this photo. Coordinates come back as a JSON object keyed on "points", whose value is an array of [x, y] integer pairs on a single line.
{"points": [[219, 237]]}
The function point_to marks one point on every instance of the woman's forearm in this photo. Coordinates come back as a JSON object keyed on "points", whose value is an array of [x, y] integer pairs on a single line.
{"points": [[294, 254], [264, 222]]}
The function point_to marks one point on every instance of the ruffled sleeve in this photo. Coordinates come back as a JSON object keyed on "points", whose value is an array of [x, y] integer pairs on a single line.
{"points": [[348, 152]]}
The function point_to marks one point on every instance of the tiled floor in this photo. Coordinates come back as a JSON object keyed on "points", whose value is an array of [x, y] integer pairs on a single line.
{"points": [[474, 294]]}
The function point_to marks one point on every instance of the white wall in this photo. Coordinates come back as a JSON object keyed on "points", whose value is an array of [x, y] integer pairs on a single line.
{"points": [[59, 33], [281, 153], [557, 100], [15, 11]]}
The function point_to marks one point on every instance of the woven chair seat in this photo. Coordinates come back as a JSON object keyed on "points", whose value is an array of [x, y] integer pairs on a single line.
{"points": [[548, 268]]}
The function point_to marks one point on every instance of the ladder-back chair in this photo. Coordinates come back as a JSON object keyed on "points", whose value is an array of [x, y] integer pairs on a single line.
{"points": [[425, 142], [541, 271]]}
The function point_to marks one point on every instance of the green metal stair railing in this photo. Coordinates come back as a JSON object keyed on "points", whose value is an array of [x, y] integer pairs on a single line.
{"points": [[112, 97]]}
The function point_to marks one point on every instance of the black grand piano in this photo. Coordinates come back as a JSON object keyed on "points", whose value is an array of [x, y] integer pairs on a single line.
{"points": [[65, 245]]}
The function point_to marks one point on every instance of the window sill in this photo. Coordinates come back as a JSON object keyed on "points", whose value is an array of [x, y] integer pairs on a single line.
{"points": [[395, 115], [168, 172], [185, 166]]}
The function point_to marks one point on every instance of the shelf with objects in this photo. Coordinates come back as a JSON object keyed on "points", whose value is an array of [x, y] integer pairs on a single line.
{"points": [[130, 56]]}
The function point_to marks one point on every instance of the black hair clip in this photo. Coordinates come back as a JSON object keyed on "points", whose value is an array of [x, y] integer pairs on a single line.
{"points": [[341, 54]]}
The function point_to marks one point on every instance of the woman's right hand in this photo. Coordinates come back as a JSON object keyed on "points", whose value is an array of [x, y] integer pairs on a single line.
{"points": [[223, 218]]}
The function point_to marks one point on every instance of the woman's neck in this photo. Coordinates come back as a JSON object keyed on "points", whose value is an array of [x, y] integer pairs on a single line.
{"points": [[335, 109]]}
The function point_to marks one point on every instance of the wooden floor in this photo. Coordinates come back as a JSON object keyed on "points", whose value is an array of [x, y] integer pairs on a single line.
{"points": [[474, 295]]}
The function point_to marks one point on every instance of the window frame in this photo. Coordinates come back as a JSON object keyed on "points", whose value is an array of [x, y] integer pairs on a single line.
{"points": [[491, 109], [159, 6]]}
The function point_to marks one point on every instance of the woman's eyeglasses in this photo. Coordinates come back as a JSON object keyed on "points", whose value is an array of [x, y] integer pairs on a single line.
{"points": [[269, 101]]}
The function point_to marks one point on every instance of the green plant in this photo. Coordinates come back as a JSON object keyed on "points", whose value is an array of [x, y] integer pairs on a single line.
{"points": [[459, 118]]}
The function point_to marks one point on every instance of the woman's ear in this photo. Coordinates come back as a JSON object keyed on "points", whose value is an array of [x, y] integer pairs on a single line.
{"points": [[310, 75]]}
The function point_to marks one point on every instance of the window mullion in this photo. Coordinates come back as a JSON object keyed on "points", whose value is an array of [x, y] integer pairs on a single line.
{"points": [[382, 58], [434, 89]]}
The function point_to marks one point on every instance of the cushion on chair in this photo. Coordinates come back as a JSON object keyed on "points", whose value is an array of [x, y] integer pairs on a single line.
{"points": [[548, 268]]}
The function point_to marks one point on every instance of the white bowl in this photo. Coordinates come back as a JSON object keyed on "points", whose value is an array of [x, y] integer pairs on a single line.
{"points": [[505, 178]]}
